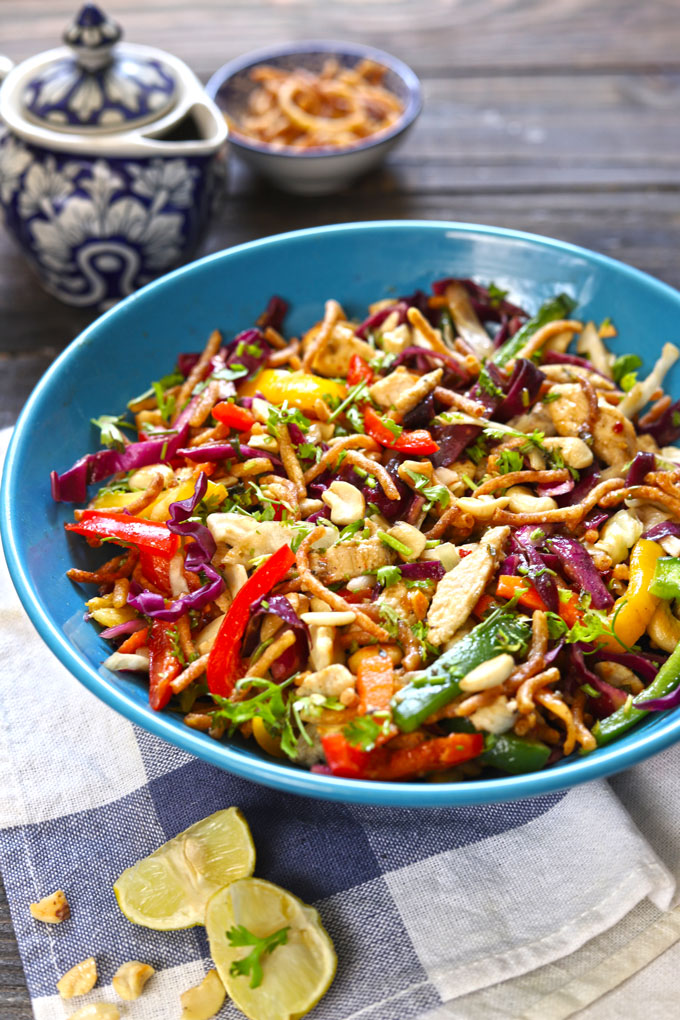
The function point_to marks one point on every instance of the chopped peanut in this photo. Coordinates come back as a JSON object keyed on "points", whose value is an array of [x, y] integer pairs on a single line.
{"points": [[130, 978], [204, 1000], [79, 979], [51, 909]]}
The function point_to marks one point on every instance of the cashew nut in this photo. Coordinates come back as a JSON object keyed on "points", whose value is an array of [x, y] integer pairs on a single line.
{"points": [[346, 502], [264, 442], [412, 538], [664, 628], [96, 1011], [130, 978], [575, 453], [142, 477], [523, 501], [488, 674], [422, 468], [619, 534], [79, 979], [51, 909], [204, 1000]]}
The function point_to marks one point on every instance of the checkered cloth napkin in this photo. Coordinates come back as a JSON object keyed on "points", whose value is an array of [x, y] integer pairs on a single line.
{"points": [[532, 910]]}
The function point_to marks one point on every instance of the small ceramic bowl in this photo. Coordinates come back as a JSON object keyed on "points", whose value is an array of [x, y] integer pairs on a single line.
{"points": [[315, 173]]}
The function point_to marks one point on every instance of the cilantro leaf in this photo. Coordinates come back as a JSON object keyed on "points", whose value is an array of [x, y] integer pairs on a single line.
{"points": [[496, 295], [285, 415], [252, 963], [510, 460], [110, 426], [625, 365], [362, 732], [388, 575]]}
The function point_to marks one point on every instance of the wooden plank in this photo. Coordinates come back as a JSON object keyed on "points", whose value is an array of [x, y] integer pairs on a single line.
{"points": [[14, 999], [441, 36]]}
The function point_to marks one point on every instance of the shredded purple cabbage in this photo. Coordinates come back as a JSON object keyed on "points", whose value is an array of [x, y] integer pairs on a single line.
{"points": [[197, 559], [423, 358], [596, 519], [559, 358], [610, 698], [377, 319], [421, 415], [488, 308], [538, 571], [588, 480], [557, 488], [521, 390], [392, 509], [71, 486], [274, 313], [665, 529], [641, 665], [423, 570], [579, 568], [452, 441], [230, 449], [641, 465], [662, 704], [129, 627]]}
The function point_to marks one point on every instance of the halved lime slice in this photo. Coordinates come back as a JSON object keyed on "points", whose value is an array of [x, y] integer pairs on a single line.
{"points": [[170, 888], [295, 974]]}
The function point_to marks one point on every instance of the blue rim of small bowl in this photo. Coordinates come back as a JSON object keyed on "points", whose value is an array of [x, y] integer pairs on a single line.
{"points": [[311, 46], [266, 771]]}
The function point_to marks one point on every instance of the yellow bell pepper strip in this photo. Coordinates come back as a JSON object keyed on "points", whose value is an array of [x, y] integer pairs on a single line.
{"points": [[127, 530], [632, 612], [224, 664], [299, 389]]}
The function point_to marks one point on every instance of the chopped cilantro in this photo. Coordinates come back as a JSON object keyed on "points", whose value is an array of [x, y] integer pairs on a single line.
{"points": [[388, 575], [110, 430], [363, 732], [395, 544], [252, 963], [487, 385], [432, 493], [509, 460], [392, 427], [285, 415], [625, 365], [496, 295], [389, 618], [550, 397], [357, 391]]}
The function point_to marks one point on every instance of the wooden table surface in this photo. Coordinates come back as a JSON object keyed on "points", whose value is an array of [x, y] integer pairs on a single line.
{"points": [[554, 116]]}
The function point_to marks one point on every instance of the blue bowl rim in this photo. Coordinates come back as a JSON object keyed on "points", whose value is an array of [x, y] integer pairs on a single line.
{"points": [[305, 47], [612, 758]]}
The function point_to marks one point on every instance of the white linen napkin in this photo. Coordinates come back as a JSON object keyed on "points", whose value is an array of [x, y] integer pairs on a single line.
{"points": [[539, 910]]}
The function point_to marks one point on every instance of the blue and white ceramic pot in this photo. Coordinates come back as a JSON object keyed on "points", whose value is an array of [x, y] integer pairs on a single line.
{"points": [[110, 157]]}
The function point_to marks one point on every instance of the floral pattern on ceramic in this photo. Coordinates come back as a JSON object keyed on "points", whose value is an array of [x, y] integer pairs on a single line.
{"points": [[98, 230], [97, 87]]}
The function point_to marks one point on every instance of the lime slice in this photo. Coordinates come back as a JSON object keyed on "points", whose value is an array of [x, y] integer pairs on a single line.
{"points": [[170, 888], [294, 975]]}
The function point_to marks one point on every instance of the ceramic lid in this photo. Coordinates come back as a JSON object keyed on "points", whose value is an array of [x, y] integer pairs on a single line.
{"points": [[102, 86]]}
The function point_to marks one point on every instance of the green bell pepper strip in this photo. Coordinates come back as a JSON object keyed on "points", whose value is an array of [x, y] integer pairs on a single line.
{"points": [[665, 681], [432, 688], [514, 755], [666, 580], [559, 307]]}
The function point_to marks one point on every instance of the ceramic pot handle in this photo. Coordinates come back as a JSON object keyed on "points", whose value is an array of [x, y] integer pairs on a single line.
{"points": [[6, 66]]}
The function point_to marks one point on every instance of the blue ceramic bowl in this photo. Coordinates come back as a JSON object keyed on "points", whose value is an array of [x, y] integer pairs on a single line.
{"points": [[314, 173], [138, 340]]}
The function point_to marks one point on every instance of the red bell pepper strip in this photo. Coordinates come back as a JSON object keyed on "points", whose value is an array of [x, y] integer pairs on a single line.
{"points": [[163, 666], [419, 442], [383, 764], [135, 641], [127, 530], [224, 664], [156, 568], [234, 416], [358, 370]]}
